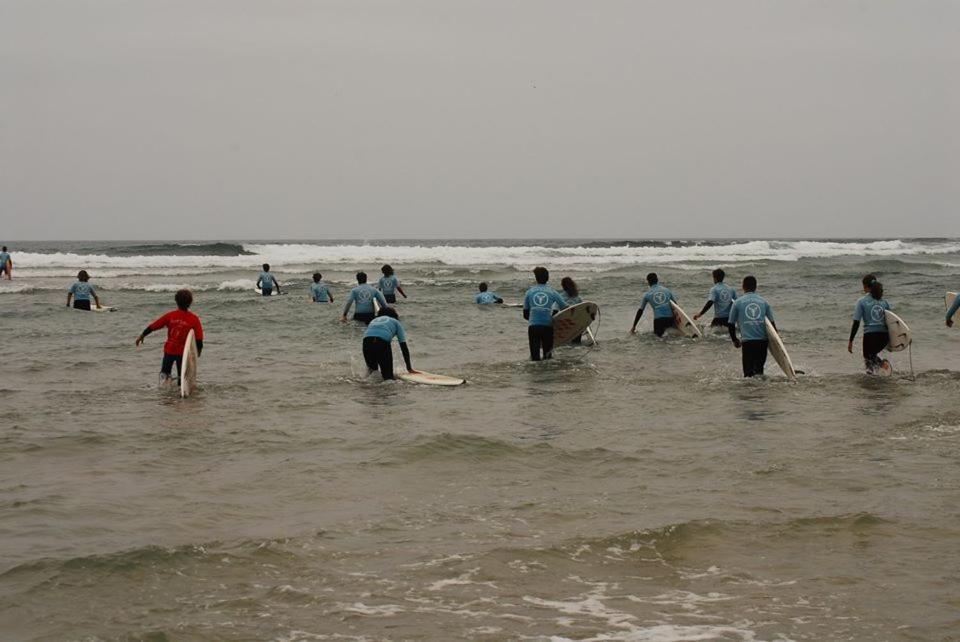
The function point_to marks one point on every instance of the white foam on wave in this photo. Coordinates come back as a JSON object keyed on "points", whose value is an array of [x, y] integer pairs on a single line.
{"points": [[170, 287], [238, 285]]}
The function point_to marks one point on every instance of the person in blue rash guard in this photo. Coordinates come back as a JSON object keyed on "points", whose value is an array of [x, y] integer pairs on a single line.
{"points": [[377, 338], [870, 310], [363, 296], [5, 263], [266, 282], [659, 298], [81, 291], [540, 303], [389, 285], [952, 311], [571, 293], [320, 291], [750, 312], [722, 297], [486, 298]]}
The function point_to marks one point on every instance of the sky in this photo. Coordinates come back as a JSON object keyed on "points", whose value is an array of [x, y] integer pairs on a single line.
{"points": [[313, 119]]}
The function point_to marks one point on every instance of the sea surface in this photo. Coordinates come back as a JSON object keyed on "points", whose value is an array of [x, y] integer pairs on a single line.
{"points": [[637, 490]]}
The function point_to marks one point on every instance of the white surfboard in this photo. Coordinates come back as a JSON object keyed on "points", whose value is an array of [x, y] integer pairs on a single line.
{"points": [[899, 332], [685, 324], [430, 379], [102, 308], [260, 292], [779, 352], [571, 322], [188, 373], [947, 302], [511, 304]]}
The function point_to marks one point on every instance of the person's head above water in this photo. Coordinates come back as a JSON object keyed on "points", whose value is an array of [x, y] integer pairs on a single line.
{"points": [[361, 277], [387, 311], [569, 286], [867, 280], [483, 286], [387, 270], [749, 284], [266, 267], [316, 277], [652, 279], [183, 298], [876, 289], [719, 275], [4, 249], [83, 276], [541, 274]]}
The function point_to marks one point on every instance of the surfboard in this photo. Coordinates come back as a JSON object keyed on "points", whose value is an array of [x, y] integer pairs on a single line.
{"points": [[260, 292], [947, 302], [188, 374], [102, 308], [571, 322], [899, 332], [511, 304], [779, 352], [428, 378], [685, 324], [9, 269]]}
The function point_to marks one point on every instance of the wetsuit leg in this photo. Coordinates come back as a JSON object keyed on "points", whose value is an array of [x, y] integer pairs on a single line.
{"points": [[81, 305], [166, 368], [370, 355], [533, 336], [390, 298], [266, 291], [719, 322], [546, 341], [363, 317], [873, 344], [754, 357], [386, 360], [661, 325]]}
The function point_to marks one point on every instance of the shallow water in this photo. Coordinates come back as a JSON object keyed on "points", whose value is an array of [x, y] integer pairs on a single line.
{"points": [[639, 490]]}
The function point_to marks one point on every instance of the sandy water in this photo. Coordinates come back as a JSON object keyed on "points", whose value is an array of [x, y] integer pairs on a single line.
{"points": [[640, 490]]}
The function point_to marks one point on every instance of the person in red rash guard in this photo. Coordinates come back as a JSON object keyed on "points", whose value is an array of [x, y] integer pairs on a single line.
{"points": [[178, 322]]}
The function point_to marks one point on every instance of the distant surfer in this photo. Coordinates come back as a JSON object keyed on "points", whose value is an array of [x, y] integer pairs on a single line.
{"points": [[178, 323], [81, 291], [377, 339], [6, 264], [750, 312], [659, 298], [720, 298], [363, 296], [484, 297], [320, 291], [870, 310], [539, 305], [389, 285], [952, 311], [266, 281]]}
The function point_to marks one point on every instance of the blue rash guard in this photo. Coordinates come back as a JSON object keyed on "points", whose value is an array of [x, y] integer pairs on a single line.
{"points": [[389, 284], [266, 281], [320, 292], [659, 298], [953, 308], [4, 257], [81, 291], [723, 297], [486, 298], [386, 328], [870, 312], [749, 312], [570, 300], [540, 302], [363, 295]]}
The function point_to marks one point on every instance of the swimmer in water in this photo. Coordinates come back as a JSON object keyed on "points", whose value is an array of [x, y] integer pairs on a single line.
{"points": [[320, 291], [81, 291], [266, 282], [484, 297]]}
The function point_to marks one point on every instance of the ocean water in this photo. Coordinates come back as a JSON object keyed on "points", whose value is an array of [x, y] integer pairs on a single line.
{"points": [[637, 490]]}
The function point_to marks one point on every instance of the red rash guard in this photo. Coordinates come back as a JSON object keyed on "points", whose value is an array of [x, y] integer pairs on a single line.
{"points": [[178, 323]]}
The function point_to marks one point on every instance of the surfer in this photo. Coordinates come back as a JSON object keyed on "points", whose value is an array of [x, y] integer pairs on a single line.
{"points": [[539, 305], [178, 322], [5, 263], [571, 294], [81, 291], [659, 299], [389, 285], [952, 311], [364, 296], [870, 310], [866, 281], [722, 296], [749, 313], [320, 291], [485, 297], [377, 350], [266, 281]]}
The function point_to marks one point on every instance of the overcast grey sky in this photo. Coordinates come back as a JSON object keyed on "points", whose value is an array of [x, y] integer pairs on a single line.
{"points": [[446, 118]]}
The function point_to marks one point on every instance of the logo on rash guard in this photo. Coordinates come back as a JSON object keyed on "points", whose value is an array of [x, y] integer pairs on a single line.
{"points": [[363, 296], [753, 311], [876, 313], [659, 298], [724, 296], [540, 299]]}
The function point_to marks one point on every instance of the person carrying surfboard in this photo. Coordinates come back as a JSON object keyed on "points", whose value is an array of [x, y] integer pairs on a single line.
{"points": [[389, 285], [870, 310], [320, 291], [571, 294], [266, 281], [722, 296], [81, 291], [377, 339], [363, 296], [178, 323], [540, 303], [6, 263], [486, 298], [749, 313], [659, 298]]}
